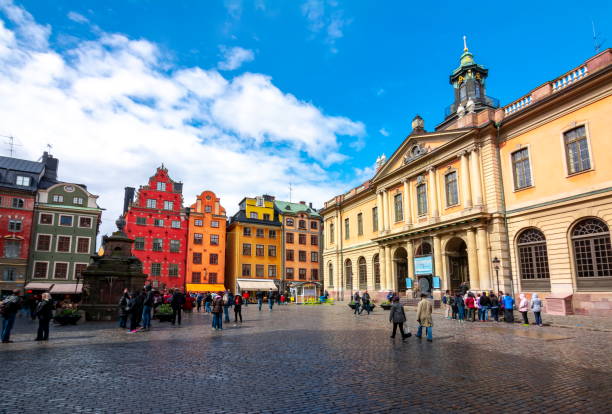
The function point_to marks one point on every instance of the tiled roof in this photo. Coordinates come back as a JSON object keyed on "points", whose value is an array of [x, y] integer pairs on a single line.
{"points": [[16, 164], [286, 207]]}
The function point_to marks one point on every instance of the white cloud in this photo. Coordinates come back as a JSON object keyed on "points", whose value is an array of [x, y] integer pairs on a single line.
{"points": [[324, 17], [383, 132], [77, 17], [234, 8], [234, 57], [115, 108]]}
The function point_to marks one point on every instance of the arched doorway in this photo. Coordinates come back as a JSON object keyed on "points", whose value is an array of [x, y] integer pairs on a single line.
{"points": [[363, 274], [423, 268], [400, 260], [458, 270]]}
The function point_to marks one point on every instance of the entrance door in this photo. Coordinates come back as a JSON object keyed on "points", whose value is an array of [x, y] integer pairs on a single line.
{"points": [[458, 272]]}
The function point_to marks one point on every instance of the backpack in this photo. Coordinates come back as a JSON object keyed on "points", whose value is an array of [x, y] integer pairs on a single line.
{"points": [[238, 300], [225, 299], [444, 299]]}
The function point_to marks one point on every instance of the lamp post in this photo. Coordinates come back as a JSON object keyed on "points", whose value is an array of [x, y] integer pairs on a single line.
{"points": [[496, 262]]}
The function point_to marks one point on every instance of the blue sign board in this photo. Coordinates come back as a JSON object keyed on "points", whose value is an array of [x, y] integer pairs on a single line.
{"points": [[408, 283], [436, 282], [423, 265]]}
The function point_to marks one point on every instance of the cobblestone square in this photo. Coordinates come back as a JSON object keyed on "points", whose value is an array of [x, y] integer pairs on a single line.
{"points": [[306, 359]]}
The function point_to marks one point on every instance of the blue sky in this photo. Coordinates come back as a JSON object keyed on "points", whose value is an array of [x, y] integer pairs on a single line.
{"points": [[308, 92]]}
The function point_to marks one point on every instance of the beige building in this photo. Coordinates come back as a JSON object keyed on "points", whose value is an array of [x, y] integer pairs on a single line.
{"points": [[434, 215]]}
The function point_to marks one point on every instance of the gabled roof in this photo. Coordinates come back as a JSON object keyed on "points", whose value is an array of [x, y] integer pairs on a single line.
{"points": [[287, 207]]}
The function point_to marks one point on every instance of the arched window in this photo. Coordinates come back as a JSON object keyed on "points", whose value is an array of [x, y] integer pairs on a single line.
{"points": [[348, 273], [330, 275], [376, 261], [592, 250], [363, 273], [424, 249], [533, 256]]}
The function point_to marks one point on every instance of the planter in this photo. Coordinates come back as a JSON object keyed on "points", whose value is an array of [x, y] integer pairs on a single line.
{"points": [[385, 307], [67, 319], [164, 317]]}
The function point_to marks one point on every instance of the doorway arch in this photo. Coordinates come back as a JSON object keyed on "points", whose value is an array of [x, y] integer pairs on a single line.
{"points": [[458, 269], [400, 261]]}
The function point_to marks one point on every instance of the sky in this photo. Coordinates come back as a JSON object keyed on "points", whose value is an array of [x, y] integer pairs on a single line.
{"points": [[249, 97]]}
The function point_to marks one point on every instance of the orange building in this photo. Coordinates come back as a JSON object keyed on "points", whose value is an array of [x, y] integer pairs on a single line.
{"points": [[206, 245]]}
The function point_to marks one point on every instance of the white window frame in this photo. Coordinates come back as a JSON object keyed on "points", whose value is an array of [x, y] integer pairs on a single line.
{"points": [[57, 243], [167, 204], [160, 184], [23, 177], [67, 270], [59, 220], [75, 200], [154, 201], [44, 224], [158, 220], [20, 225], [214, 224], [173, 226], [60, 198], [76, 249], [74, 269], [50, 243], [518, 148], [82, 227], [34, 270], [567, 128]]}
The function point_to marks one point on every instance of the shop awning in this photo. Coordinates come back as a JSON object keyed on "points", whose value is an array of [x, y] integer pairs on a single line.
{"points": [[248, 284], [38, 286], [67, 288], [205, 287]]}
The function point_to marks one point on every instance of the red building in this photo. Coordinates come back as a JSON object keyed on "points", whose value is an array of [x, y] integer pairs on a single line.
{"points": [[157, 222]]}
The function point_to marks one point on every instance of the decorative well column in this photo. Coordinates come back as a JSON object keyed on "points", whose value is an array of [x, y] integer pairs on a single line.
{"points": [[433, 192], [466, 191], [483, 259], [475, 175], [407, 202], [437, 246], [380, 211], [472, 259]]}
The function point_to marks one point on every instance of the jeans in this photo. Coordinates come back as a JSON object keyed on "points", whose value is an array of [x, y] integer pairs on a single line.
{"points": [[217, 322], [471, 314], [495, 314], [538, 318], [461, 310], [270, 303], [226, 313], [43, 329], [199, 305], [259, 303], [356, 309], [207, 307], [146, 317], [428, 331], [176, 314], [484, 311], [7, 325], [123, 321], [237, 314], [366, 307]]}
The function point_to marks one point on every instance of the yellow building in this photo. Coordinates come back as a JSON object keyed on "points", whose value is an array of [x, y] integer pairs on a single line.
{"points": [[253, 252], [434, 215]]}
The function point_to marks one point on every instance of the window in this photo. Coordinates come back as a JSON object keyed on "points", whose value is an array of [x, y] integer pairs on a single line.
{"points": [[289, 272], [332, 234], [198, 223], [197, 238], [85, 222], [63, 244], [314, 257], [421, 199], [577, 150], [346, 229], [196, 258], [360, 224], [168, 205], [259, 270], [259, 250], [155, 269], [158, 245], [302, 224], [533, 256], [18, 203], [12, 248], [58, 198], [450, 185], [43, 243], [246, 249], [271, 251], [246, 270], [65, 220], [376, 261], [259, 232], [141, 221], [23, 181], [61, 270], [161, 186], [424, 249], [397, 203], [207, 209], [259, 201], [173, 270], [520, 169], [289, 222], [348, 272], [45, 218], [271, 271], [330, 275], [9, 274], [175, 246], [212, 277], [79, 268], [302, 256], [313, 225], [289, 255], [139, 243], [151, 203], [40, 270], [78, 201], [363, 273], [314, 240], [214, 239], [266, 217], [302, 274], [253, 215], [158, 222], [246, 232], [302, 238], [14, 225], [196, 277], [314, 274], [82, 244], [213, 258], [289, 237], [214, 224], [176, 224], [592, 249]]}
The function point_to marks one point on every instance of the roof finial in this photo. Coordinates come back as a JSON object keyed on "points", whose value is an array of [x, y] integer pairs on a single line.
{"points": [[465, 48]]}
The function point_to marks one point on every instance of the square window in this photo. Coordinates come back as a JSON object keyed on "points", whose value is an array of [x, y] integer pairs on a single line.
{"points": [[289, 273], [158, 245], [197, 258], [151, 203], [9, 274], [168, 205], [139, 243], [302, 224], [40, 270], [63, 244], [43, 243], [314, 225], [78, 201], [82, 244], [85, 222], [65, 220], [12, 248], [212, 277], [23, 181], [155, 269], [302, 274], [260, 232], [272, 234], [176, 224], [14, 225], [214, 258], [271, 271], [141, 221], [175, 246], [196, 277], [289, 255], [173, 270], [246, 249], [290, 238], [302, 239], [161, 186], [58, 198], [259, 270], [158, 222], [289, 222], [45, 218], [198, 223], [272, 251], [61, 271], [254, 216], [302, 256], [214, 224], [79, 268], [207, 209], [266, 217], [259, 250], [246, 270], [246, 232], [214, 239]]}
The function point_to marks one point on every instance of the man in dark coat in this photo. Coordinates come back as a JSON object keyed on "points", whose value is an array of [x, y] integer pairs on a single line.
{"points": [[10, 307], [398, 317], [177, 302], [44, 313]]}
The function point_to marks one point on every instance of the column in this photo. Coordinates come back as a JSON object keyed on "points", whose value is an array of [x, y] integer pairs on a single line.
{"points": [[466, 191], [433, 193], [379, 210], [386, 208], [472, 259], [410, 259], [407, 204], [390, 211], [437, 246], [475, 175], [484, 263], [389, 268], [382, 260]]}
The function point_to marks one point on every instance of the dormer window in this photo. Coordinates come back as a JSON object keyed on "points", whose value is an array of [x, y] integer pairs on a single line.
{"points": [[259, 201], [22, 180], [161, 186]]}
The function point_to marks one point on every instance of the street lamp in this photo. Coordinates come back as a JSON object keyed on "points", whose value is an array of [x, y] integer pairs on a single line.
{"points": [[496, 262]]}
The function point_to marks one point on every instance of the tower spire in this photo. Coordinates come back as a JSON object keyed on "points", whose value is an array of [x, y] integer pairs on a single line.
{"points": [[465, 48]]}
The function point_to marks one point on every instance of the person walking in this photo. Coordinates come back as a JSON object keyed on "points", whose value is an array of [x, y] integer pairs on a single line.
{"points": [[471, 307], [259, 295], [365, 303], [147, 308], [124, 309], [446, 301], [237, 308], [524, 308], [199, 300], [226, 306], [217, 310], [135, 311], [536, 308], [397, 316], [245, 298], [424, 310], [485, 304], [177, 302], [270, 299], [44, 313], [356, 301], [208, 303], [9, 308], [454, 307], [494, 304], [460, 307], [508, 303]]}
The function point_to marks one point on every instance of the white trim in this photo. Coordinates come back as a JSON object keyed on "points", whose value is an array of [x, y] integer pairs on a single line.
{"points": [[576, 124], [59, 220], [74, 269], [57, 244], [84, 227], [34, 269], [55, 267], [50, 242], [76, 249], [40, 213]]}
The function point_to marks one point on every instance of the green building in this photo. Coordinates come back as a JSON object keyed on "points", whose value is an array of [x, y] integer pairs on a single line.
{"points": [[66, 223]]}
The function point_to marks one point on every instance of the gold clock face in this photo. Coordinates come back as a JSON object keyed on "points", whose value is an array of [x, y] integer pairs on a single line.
{"points": [[460, 80]]}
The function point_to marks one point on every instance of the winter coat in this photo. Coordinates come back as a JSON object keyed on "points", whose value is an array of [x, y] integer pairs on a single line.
{"points": [[123, 303], [424, 310], [469, 302], [177, 301], [217, 306], [536, 303], [494, 302], [508, 302], [11, 305], [485, 301], [523, 304], [44, 309], [397, 314]]}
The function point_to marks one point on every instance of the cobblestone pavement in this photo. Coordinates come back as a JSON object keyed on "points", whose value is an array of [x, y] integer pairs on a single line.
{"points": [[307, 359]]}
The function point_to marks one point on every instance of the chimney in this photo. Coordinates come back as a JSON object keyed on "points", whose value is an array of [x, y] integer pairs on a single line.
{"points": [[268, 197], [178, 188], [303, 203], [51, 165], [310, 205], [128, 198]]}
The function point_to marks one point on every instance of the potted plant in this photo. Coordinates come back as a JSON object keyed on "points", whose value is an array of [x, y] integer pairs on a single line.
{"points": [[352, 304], [67, 316], [164, 313], [386, 305]]}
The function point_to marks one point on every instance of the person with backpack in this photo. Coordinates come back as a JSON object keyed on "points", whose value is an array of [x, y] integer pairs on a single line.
{"points": [[356, 301], [124, 310], [494, 305], [44, 313], [365, 302], [271, 299], [177, 302], [397, 316], [259, 295], [208, 302], [227, 303], [199, 300], [237, 308], [217, 309], [9, 308], [447, 305], [147, 308]]}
